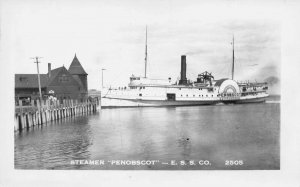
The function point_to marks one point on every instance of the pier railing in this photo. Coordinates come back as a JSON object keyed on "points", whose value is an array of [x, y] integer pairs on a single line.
{"points": [[39, 113]]}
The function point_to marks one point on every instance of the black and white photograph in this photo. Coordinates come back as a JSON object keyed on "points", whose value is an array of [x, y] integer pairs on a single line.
{"points": [[165, 86]]}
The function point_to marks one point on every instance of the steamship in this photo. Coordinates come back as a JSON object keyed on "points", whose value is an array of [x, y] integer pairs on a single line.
{"points": [[205, 90]]}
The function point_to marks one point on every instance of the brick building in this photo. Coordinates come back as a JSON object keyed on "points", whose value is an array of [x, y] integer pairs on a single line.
{"points": [[66, 84]]}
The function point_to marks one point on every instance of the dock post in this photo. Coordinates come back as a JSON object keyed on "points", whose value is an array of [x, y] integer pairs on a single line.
{"points": [[38, 112], [72, 104], [33, 119], [44, 120], [68, 107], [20, 122], [56, 109], [30, 119], [16, 127], [27, 120], [47, 110]]}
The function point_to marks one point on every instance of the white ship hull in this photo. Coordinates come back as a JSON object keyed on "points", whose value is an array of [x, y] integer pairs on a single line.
{"points": [[122, 102]]}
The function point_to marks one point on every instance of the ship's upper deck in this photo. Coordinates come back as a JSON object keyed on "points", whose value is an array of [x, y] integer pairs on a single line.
{"points": [[137, 81], [143, 81]]}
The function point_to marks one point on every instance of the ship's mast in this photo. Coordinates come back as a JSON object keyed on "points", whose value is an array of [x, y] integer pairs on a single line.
{"points": [[146, 55], [232, 71]]}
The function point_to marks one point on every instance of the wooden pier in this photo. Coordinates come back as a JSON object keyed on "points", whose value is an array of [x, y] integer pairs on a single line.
{"points": [[40, 113]]}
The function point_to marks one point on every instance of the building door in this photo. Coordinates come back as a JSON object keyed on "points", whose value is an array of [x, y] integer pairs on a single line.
{"points": [[171, 96]]}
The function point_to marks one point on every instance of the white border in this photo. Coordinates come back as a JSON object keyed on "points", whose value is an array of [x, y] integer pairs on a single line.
{"points": [[290, 126]]}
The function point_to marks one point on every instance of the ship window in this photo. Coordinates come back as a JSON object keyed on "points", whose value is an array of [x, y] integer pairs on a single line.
{"points": [[171, 97], [187, 95], [179, 88], [140, 94], [206, 95], [199, 95], [199, 88], [193, 95], [212, 95], [181, 95]]}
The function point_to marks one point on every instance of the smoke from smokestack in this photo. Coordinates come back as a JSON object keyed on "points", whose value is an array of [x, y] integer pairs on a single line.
{"points": [[197, 52]]}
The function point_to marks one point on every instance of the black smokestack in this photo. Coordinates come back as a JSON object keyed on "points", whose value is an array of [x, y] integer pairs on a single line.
{"points": [[183, 79]]}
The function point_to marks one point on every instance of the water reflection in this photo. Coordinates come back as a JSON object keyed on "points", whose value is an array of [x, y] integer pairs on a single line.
{"points": [[51, 146], [214, 133]]}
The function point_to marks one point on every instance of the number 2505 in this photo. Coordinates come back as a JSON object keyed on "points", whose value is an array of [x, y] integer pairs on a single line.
{"points": [[234, 162]]}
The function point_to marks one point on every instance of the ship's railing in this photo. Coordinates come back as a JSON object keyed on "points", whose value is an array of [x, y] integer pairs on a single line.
{"points": [[253, 92], [252, 84]]}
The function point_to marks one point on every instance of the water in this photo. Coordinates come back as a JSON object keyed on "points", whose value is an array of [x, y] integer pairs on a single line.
{"points": [[247, 133]]}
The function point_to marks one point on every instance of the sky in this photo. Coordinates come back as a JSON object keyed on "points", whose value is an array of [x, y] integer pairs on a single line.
{"points": [[111, 35]]}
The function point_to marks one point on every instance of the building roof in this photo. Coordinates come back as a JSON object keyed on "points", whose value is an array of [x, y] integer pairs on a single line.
{"points": [[54, 72], [30, 80], [76, 68]]}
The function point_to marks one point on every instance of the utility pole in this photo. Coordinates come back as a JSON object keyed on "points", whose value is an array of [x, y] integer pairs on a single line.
{"points": [[102, 76], [232, 71], [38, 71], [146, 54]]}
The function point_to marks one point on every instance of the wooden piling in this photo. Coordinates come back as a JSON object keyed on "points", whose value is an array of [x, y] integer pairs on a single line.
{"points": [[43, 112]]}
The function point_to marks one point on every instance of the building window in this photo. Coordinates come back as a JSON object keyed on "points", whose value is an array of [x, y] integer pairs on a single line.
{"points": [[63, 78], [23, 79]]}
